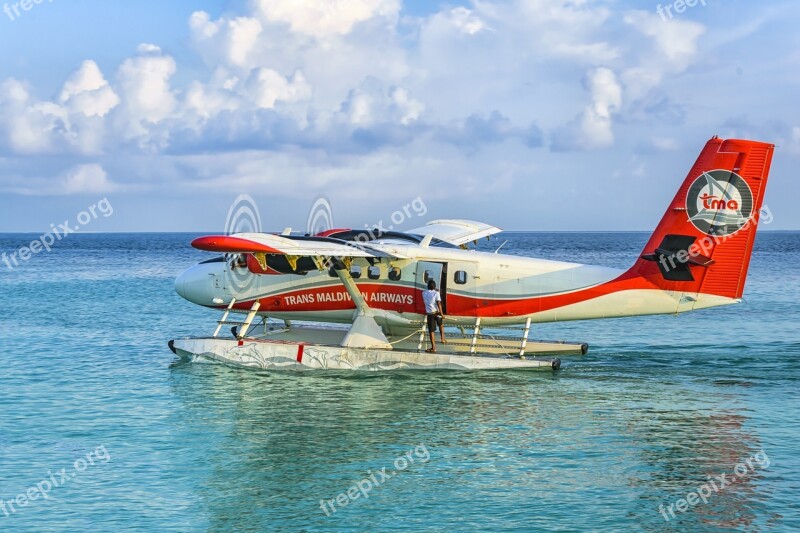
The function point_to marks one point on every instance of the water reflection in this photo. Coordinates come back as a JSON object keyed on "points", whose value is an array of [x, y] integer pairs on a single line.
{"points": [[504, 446]]}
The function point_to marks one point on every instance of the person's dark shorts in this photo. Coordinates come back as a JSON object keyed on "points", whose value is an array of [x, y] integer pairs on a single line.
{"points": [[433, 321]]}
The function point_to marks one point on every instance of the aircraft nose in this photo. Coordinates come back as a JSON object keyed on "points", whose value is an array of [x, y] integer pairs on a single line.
{"points": [[180, 285], [196, 284]]}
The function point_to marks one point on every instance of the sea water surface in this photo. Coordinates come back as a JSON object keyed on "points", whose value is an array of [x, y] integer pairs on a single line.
{"points": [[93, 404]]}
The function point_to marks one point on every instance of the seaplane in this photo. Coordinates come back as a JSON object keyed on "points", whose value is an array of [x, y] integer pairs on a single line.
{"points": [[348, 299]]}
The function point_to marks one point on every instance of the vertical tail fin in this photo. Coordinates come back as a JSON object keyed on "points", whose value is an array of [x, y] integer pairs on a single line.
{"points": [[704, 241]]}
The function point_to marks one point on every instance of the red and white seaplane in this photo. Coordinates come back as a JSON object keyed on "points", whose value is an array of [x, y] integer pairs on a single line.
{"points": [[372, 281]]}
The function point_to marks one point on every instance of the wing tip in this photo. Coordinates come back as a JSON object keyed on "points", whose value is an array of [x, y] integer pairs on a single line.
{"points": [[230, 244]]}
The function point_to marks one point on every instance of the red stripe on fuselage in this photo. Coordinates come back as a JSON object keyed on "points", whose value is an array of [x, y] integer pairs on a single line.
{"points": [[404, 299], [473, 306], [336, 298]]}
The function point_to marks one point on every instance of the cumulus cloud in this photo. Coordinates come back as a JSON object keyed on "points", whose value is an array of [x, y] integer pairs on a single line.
{"points": [[90, 178], [266, 87], [332, 73], [568, 29], [594, 127], [675, 42], [670, 48], [87, 91], [231, 41], [74, 123], [326, 18], [144, 82], [205, 101], [371, 103], [339, 90], [28, 126], [466, 21]]}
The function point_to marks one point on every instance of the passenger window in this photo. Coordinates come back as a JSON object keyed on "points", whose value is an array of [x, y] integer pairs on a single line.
{"points": [[355, 271], [395, 274], [374, 272], [460, 277], [428, 275]]}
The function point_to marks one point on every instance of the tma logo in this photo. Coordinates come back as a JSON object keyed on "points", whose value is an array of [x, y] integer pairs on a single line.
{"points": [[719, 202]]}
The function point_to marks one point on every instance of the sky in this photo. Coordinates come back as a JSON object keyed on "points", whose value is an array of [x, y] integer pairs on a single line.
{"points": [[539, 115]]}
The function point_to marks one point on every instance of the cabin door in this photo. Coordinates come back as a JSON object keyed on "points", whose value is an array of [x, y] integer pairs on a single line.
{"points": [[437, 272], [466, 293]]}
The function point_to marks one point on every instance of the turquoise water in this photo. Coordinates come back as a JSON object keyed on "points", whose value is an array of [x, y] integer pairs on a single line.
{"points": [[659, 405]]}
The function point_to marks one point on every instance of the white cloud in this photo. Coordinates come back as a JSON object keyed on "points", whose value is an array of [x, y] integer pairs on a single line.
{"points": [[466, 20], [266, 87], [230, 41], [148, 48], [145, 85], [207, 101], [348, 92], [409, 108], [334, 44], [370, 103], [671, 49], [676, 41], [324, 69], [147, 97], [570, 29], [74, 125], [89, 178], [87, 91], [385, 176], [594, 127], [244, 33], [326, 18], [335, 75], [28, 126]]}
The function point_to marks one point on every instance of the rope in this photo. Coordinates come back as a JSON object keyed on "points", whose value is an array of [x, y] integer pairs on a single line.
{"points": [[399, 340], [409, 336]]}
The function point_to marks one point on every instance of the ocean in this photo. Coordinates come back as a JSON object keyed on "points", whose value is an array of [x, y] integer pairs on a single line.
{"points": [[670, 423]]}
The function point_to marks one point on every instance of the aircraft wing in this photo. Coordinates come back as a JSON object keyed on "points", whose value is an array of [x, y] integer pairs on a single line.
{"points": [[456, 232], [265, 243]]}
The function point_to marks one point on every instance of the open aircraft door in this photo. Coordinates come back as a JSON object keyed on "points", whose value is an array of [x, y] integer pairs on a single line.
{"points": [[427, 270]]}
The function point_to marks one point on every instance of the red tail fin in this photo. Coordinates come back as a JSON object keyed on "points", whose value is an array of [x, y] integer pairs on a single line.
{"points": [[704, 241]]}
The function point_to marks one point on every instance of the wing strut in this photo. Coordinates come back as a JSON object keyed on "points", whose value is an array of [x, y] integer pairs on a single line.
{"points": [[365, 332]]}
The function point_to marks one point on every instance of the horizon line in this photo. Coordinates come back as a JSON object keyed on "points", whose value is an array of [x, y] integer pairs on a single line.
{"points": [[129, 232]]}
